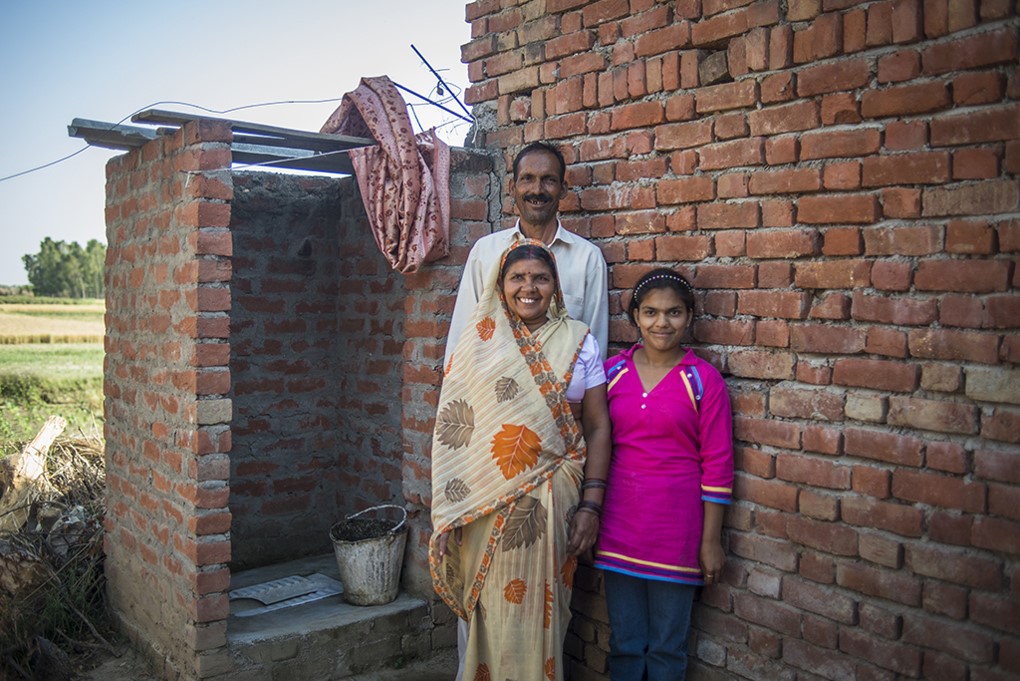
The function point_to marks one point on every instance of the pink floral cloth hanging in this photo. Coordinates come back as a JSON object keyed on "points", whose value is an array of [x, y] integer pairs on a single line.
{"points": [[404, 179]]}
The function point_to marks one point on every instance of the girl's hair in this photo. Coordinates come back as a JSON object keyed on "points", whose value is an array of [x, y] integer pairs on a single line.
{"points": [[662, 277], [528, 252]]}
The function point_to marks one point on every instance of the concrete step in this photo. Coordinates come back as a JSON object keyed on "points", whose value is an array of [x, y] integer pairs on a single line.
{"points": [[442, 666], [329, 639]]}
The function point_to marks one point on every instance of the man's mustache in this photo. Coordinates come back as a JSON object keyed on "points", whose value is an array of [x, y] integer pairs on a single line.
{"points": [[537, 197]]}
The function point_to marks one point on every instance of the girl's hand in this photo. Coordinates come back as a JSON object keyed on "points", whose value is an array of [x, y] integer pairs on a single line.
{"points": [[584, 530], [712, 558], [444, 539]]}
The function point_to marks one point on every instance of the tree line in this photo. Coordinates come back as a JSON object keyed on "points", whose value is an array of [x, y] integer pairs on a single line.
{"points": [[67, 270]]}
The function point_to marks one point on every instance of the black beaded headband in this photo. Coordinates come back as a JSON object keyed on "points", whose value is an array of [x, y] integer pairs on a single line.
{"points": [[671, 277]]}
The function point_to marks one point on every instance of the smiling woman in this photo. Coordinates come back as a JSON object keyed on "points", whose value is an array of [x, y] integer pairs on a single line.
{"points": [[521, 423], [528, 278]]}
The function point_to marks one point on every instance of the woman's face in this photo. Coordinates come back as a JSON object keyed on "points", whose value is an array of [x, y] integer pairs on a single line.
{"points": [[662, 318], [528, 288]]}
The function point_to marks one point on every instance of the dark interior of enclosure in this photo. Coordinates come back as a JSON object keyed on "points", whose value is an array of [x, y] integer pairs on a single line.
{"points": [[316, 335]]}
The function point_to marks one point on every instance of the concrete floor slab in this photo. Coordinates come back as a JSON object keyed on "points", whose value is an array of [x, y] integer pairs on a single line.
{"points": [[331, 639]]}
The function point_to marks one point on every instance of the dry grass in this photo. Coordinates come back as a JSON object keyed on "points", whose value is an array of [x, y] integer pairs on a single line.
{"points": [[63, 536], [51, 308], [39, 325]]}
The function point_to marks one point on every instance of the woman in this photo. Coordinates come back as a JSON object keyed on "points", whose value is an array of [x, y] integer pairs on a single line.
{"points": [[508, 458], [670, 478]]}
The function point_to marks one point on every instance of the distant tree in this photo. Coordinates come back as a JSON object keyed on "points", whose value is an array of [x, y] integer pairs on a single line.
{"points": [[94, 267], [66, 269]]}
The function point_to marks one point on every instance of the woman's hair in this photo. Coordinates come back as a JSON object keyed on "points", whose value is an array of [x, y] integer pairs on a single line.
{"points": [[661, 277], [528, 252]]}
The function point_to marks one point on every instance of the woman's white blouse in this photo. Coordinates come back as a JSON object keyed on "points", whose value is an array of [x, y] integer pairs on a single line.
{"points": [[588, 371]]}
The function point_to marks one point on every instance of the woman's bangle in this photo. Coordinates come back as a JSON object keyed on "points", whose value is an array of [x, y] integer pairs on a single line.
{"points": [[592, 511], [590, 506], [593, 484]]}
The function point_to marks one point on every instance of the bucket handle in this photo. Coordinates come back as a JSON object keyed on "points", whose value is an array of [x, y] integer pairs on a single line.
{"points": [[382, 506]]}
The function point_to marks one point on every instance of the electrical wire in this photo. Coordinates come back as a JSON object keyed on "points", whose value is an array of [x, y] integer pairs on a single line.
{"points": [[199, 107], [174, 103], [45, 165]]}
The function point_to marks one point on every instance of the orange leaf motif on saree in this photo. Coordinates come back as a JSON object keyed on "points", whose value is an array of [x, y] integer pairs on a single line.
{"points": [[547, 620], [514, 591], [550, 669], [486, 328], [482, 673], [567, 570], [515, 449]]}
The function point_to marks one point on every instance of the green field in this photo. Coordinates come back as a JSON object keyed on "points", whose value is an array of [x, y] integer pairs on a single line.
{"points": [[51, 363]]}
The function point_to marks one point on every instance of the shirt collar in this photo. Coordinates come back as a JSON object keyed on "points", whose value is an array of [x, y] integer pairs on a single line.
{"points": [[688, 359], [561, 234]]}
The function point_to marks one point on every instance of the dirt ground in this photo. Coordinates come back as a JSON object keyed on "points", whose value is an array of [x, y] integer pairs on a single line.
{"points": [[129, 666]]}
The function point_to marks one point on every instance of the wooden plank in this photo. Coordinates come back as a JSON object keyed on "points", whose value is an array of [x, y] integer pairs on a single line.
{"points": [[28, 477], [176, 118]]}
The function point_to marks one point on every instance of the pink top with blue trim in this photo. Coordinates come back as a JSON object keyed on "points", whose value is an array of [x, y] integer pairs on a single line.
{"points": [[672, 451]]}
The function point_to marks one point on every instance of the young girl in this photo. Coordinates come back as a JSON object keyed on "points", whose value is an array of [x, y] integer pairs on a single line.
{"points": [[670, 478]]}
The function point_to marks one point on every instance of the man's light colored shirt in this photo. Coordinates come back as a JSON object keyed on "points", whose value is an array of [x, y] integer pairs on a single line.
{"points": [[582, 272]]}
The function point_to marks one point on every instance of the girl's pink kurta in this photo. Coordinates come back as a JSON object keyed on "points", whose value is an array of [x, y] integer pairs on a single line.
{"points": [[672, 451]]}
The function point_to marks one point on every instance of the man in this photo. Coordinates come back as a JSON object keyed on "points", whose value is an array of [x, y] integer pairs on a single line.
{"points": [[537, 186]]}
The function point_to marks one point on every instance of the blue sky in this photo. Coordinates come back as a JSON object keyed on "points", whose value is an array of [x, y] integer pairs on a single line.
{"points": [[105, 59]]}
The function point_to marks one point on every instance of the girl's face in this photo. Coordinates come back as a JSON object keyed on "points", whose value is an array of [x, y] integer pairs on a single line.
{"points": [[528, 288], [662, 318]]}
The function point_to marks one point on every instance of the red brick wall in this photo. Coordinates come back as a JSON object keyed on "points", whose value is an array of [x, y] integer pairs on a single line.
{"points": [[261, 354], [840, 180], [429, 303], [317, 341], [336, 361], [167, 415]]}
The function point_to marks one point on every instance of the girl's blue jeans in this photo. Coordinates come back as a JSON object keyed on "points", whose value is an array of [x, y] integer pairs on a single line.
{"points": [[650, 621]]}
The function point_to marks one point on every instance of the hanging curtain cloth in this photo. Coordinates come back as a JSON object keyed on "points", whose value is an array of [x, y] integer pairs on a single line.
{"points": [[404, 179]]}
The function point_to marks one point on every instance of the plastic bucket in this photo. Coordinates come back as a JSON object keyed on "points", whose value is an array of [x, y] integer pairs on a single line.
{"points": [[369, 554]]}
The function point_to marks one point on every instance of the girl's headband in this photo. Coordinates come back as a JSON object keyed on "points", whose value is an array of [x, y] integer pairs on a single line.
{"points": [[671, 277]]}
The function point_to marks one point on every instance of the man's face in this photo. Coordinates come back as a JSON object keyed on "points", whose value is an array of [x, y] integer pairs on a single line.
{"points": [[537, 190]]}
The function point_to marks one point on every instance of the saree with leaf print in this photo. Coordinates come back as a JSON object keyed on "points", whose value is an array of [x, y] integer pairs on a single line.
{"points": [[507, 460]]}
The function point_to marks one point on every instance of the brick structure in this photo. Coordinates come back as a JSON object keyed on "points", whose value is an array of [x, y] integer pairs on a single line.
{"points": [[840, 180], [266, 374], [167, 410]]}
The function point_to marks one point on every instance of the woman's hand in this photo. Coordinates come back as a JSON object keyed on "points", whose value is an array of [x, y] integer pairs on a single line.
{"points": [[444, 539], [584, 530], [712, 559], [585, 525]]}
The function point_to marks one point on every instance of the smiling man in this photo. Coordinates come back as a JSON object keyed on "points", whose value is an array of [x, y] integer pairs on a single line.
{"points": [[537, 186]]}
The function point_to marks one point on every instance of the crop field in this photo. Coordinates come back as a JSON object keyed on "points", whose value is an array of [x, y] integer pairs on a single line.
{"points": [[51, 323], [51, 362]]}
